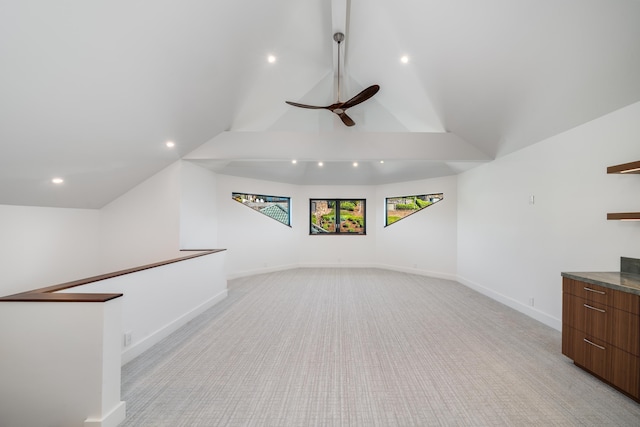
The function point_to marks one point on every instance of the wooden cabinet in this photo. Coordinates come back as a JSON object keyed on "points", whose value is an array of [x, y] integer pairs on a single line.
{"points": [[600, 332]]}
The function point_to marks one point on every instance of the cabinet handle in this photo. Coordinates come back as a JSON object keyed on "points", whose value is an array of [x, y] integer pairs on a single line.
{"points": [[594, 344], [593, 290], [593, 308]]}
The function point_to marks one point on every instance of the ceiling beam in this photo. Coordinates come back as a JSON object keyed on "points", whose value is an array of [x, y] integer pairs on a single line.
{"points": [[338, 146], [340, 10]]}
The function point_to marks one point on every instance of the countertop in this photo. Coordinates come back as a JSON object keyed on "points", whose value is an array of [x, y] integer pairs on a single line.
{"points": [[625, 282]]}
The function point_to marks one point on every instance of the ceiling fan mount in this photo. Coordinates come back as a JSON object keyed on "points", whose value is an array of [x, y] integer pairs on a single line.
{"points": [[339, 108]]}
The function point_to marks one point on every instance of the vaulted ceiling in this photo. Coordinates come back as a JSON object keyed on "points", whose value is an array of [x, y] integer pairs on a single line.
{"points": [[90, 91]]}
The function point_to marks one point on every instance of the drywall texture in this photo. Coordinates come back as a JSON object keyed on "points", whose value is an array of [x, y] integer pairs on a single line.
{"points": [[255, 243], [44, 246], [426, 241], [513, 247], [142, 226], [198, 213]]}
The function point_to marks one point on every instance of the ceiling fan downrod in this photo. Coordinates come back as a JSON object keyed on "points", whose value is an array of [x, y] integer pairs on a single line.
{"points": [[339, 107], [338, 38]]}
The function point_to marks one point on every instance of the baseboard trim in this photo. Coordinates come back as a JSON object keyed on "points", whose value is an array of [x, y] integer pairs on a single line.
{"points": [[538, 315], [419, 272], [112, 419], [140, 347], [257, 271]]}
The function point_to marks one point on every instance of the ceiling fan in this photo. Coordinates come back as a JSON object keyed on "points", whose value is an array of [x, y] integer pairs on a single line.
{"points": [[340, 107]]}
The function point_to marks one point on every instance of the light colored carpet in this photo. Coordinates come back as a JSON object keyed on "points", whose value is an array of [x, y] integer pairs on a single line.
{"points": [[364, 347]]}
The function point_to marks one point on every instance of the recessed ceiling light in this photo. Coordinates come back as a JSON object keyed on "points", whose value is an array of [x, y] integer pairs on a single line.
{"points": [[320, 164], [381, 161], [355, 164], [57, 180], [271, 59], [294, 161], [404, 59], [170, 144]]}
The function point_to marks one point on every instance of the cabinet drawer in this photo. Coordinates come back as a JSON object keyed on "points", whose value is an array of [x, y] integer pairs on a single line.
{"points": [[599, 294], [626, 302], [592, 293], [591, 318], [618, 367], [586, 351], [616, 327]]}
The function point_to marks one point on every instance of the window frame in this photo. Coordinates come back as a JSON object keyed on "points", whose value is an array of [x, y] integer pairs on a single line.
{"points": [[337, 225], [280, 198], [386, 206]]}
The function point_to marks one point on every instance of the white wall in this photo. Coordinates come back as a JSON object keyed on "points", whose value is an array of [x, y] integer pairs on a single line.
{"points": [[198, 210], [174, 209], [255, 243], [142, 226], [46, 246], [425, 242], [340, 250], [513, 250]]}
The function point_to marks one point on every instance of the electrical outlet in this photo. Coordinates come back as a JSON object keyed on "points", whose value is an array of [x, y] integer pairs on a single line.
{"points": [[531, 301], [127, 339]]}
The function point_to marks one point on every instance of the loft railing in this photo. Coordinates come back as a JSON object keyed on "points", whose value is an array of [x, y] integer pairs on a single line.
{"points": [[49, 293]]}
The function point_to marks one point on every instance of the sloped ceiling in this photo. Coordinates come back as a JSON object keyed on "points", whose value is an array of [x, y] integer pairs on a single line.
{"points": [[91, 90]]}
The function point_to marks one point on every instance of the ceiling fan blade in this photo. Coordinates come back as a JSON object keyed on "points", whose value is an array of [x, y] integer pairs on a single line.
{"points": [[346, 119], [361, 97], [312, 107]]}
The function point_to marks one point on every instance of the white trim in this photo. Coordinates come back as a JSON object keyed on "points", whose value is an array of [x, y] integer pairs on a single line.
{"points": [[140, 347], [112, 419], [255, 272], [436, 274], [538, 315]]}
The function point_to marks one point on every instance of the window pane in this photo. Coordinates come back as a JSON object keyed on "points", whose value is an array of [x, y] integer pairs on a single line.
{"points": [[323, 216], [352, 216], [348, 218], [275, 207], [397, 208]]}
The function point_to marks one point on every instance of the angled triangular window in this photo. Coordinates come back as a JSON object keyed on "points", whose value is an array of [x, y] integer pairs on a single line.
{"points": [[397, 208], [275, 207]]}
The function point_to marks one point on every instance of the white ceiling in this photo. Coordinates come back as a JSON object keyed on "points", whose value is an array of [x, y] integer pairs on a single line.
{"points": [[91, 90]]}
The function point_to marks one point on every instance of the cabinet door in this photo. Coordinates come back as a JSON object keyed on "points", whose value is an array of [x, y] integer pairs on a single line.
{"points": [[625, 331], [625, 372]]}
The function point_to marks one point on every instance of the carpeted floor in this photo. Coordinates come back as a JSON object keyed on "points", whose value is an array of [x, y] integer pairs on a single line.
{"points": [[364, 347]]}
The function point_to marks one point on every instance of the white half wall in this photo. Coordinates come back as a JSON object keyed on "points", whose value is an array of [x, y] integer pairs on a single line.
{"points": [[426, 241], [60, 364], [514, 249], [159, 300], [42, 246]]}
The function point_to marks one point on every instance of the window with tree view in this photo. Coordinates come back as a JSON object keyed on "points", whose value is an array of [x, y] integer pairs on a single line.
{"points": [[275, 207], [337, 216], [397, 208]]}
